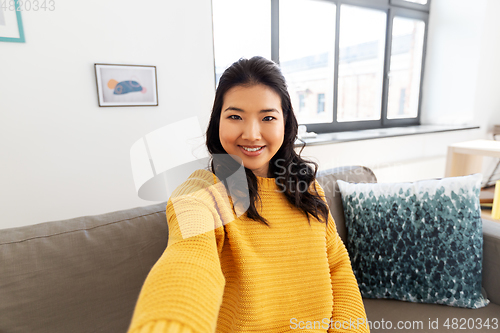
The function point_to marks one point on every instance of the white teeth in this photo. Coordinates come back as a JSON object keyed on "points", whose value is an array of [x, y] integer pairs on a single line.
{"points": [[252, 149]]}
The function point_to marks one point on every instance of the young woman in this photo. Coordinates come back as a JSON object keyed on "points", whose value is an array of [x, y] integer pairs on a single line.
{"points": [[281, 265]]}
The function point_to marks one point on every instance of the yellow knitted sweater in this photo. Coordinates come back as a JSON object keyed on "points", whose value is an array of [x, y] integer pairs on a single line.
{"points": [[220, 273]]}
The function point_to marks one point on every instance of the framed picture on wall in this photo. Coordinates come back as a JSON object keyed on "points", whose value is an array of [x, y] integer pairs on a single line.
{"points": [[11, 24], [126, 85]]}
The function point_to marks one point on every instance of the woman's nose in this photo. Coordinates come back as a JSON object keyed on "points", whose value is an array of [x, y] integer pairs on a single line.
{"points": [[251, 132]]}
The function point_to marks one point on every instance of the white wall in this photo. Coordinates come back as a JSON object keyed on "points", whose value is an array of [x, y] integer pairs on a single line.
{"points": [[61, 155], [453, 57], [487, 102], [462, 76]]}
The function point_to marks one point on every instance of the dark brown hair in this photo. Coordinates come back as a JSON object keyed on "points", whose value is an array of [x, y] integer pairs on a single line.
{"points": [[293, 170]]}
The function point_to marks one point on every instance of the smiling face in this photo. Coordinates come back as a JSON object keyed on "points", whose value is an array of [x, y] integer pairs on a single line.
{"points": [[252, 126]]}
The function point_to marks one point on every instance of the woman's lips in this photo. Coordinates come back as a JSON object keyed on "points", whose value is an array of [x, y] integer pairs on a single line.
{"points": [[252, 153]]}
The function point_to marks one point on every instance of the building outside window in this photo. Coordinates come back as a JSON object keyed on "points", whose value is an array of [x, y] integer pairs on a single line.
{"points": [[321, 103], [350, 64], [302, 102]]}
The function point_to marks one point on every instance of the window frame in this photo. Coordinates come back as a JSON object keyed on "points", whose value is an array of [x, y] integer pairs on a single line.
{"points": [[392, 8], [402, 12]]}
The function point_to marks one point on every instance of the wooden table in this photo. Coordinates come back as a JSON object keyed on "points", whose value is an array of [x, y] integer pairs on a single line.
{"points": [[465, 158]]}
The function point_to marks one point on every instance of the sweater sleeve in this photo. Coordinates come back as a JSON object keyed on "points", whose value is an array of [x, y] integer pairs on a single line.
{"points": [[183, 291], [348, 309]]}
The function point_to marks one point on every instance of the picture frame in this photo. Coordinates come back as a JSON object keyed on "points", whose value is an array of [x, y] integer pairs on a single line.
{"points": [[11, 23], [126, 85]]}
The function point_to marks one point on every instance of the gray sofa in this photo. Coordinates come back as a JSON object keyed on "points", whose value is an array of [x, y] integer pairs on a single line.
{"points": [[85, 274]]}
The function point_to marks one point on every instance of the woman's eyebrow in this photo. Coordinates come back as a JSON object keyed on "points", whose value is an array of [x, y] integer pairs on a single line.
{"points": [[232, 108]]}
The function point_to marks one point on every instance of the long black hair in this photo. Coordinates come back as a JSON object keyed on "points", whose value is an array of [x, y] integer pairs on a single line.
{"points": [[294, 175]]}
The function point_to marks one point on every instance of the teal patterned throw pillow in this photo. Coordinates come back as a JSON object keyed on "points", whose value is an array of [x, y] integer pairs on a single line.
{"points": [[418, 242]]}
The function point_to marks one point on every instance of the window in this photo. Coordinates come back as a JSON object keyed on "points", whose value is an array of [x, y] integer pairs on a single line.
{"points": [[361, 63], [306, 53], [349, 64], [406, 67]]}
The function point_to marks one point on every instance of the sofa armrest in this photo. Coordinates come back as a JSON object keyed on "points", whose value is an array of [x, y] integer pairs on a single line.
{"points": [[491, 260]]}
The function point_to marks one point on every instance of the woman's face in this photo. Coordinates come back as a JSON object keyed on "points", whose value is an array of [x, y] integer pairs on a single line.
{"points": [[251, 117]]}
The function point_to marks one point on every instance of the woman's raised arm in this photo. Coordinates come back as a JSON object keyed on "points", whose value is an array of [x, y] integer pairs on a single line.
{"points": [[183, 291]]}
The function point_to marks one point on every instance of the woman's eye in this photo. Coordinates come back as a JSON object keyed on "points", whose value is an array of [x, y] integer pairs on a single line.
{"points": [[236, 117]]}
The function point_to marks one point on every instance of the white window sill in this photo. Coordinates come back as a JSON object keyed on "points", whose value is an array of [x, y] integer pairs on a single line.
{"points": [[338, 137]]}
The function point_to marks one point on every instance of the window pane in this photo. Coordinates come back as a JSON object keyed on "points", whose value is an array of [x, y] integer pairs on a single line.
{"points": [[307, 50], [242, 28], [406, 67], [321, 103], [361, 63]]}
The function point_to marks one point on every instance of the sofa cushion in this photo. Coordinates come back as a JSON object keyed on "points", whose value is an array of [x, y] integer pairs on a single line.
{"points": [[419, 242], [78, 275], [328, 181], [491, 260]]}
